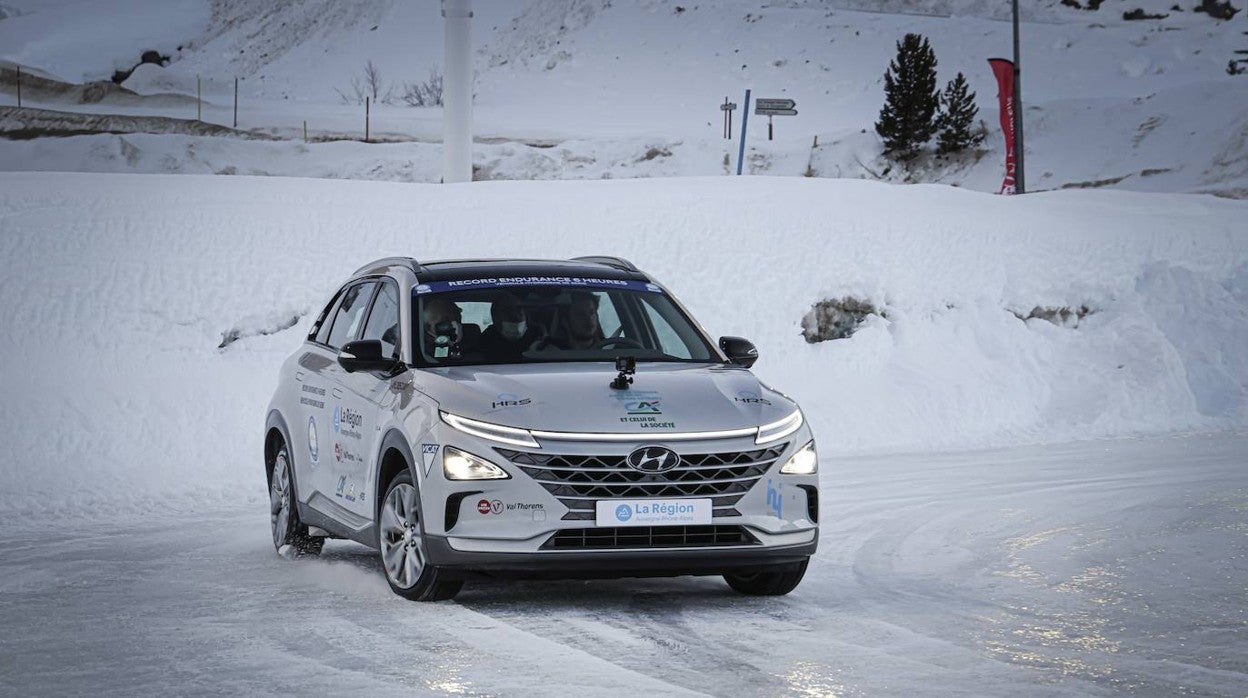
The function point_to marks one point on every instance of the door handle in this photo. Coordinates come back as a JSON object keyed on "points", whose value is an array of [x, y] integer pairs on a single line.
{"points": [[337, 392]]}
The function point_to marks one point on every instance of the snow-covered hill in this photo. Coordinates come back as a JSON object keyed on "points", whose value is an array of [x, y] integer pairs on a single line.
{"points": [[118, 291], [1145, 105]]}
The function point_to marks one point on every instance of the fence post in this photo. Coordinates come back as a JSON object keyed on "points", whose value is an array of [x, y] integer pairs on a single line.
{"points": [[366, 114], [235, 102], [199, 100], [305, 130], [19, 85]]}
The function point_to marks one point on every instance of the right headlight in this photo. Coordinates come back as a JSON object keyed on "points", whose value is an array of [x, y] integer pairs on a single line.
{"points": [[462, 465], [804, 462]]}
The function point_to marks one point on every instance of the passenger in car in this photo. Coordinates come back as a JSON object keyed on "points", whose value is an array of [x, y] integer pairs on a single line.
{"points": [[510, 334]]}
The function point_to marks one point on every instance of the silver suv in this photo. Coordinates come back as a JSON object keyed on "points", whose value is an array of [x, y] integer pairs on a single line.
{"points": [[525, 418]]}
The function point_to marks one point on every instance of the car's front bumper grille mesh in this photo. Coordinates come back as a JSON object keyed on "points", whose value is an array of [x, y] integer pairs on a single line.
{"points": [[648, 537], [580, 481]]}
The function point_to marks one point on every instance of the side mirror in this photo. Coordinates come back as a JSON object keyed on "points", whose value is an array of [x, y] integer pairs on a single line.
{"points": [[365, 355], [739, 350]]}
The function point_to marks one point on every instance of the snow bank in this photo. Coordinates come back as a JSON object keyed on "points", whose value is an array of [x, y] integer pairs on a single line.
{"points": [[118, 291]]}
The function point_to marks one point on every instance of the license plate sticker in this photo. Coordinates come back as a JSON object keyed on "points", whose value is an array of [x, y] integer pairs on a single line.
{"points": [[653, 512]]}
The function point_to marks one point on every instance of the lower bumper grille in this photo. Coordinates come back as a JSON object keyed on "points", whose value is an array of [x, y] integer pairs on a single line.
{"points": [[648, 537]]}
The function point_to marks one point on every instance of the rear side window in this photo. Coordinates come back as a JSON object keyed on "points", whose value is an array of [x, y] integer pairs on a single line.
{"points": [[383, 319], [349, 317]]}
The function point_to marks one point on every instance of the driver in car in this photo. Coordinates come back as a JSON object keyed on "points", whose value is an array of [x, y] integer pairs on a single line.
{"points": [[442, 327], [581, 329]]}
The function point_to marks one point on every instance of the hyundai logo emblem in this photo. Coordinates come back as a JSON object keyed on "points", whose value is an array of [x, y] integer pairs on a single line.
{"points": [[653, 459]]}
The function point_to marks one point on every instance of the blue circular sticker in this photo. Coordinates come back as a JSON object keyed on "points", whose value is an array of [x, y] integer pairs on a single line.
{"points": [[623, 512]]}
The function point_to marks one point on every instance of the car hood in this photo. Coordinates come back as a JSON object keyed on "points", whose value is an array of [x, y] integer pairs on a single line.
{"points": [[577, 397]]}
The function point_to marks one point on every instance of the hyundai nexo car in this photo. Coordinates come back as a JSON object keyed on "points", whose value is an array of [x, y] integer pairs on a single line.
{"points": [[524, 418]]}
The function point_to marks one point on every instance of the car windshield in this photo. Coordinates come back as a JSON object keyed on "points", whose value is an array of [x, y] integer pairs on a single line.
{"points": [[545, 319]]}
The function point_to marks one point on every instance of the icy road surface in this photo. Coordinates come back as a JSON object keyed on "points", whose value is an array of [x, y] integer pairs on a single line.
{"points": [[1085, 569]]}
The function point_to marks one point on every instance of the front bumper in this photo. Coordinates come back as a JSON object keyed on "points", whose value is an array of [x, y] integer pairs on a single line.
{"points": [[614, 564]]}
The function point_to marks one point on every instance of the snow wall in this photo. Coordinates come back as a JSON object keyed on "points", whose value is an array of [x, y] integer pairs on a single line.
{"points": [[117, 291]]}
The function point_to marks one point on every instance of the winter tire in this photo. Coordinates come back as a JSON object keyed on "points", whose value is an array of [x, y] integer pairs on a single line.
{"points": [[776, 581], [288, 530], [401, 541]]}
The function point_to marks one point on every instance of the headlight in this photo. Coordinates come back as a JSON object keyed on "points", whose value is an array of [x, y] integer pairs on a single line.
{"points": [[804, 462], [461, 465], [779, 429], [494, 432]]}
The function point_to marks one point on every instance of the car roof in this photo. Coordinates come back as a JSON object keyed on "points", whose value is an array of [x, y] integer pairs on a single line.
{"points": [[462, 269]]}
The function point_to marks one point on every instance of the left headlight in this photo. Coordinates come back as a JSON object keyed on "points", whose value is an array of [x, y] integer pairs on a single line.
{"points": [[804, 462], [461, 465]]}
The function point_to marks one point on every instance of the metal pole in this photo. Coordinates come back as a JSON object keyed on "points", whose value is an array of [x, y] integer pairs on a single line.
{"points": [[457, 92], [1019, 181], [745, 120], [235, 102], [769, 127]]}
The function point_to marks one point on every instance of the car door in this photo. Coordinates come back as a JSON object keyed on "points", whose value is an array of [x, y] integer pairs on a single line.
{"points": [[340, 427], [366, 404]]}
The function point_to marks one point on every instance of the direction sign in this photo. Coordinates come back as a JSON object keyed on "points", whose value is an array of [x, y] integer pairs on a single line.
{"points": [[776, 112], [728, 106], [763, 105]]}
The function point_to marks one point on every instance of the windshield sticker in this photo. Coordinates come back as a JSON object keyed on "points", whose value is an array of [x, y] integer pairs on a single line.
{"points": [[506, 281]]}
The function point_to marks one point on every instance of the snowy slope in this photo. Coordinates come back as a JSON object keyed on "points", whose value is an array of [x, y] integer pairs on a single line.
{"points": [[118, 290], [1143, 105]]}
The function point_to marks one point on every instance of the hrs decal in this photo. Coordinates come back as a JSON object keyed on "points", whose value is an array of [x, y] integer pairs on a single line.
{"points": [[774, 499]]}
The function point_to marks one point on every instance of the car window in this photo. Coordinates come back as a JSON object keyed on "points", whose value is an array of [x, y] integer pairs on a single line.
{"points": [[327, 320], [350, 314], [383, 319], [668, 339]]}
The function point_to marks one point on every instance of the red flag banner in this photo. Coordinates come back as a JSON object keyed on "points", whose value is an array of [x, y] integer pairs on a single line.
{"points": [[1004, 70]]}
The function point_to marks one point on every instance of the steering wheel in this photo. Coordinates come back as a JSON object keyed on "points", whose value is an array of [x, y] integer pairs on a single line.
{"points": [[627, 342]]}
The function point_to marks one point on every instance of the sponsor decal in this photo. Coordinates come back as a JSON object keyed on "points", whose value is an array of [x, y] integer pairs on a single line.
{"points": [[774, 499], [504, 281], [641, 407], [749, 397], [347, 422], [350, 496], [509, 400], [343, 455], [342, 485], [428, 453], [312, 401], [312, 440], [487, 507], [623, 512]]}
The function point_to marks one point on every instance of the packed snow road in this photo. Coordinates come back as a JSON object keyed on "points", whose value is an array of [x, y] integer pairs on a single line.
{"points": [[1086, 569]]}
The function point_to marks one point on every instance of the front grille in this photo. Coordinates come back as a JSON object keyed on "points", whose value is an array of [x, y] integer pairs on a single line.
{"points": [[648, 537], [580, 481]]}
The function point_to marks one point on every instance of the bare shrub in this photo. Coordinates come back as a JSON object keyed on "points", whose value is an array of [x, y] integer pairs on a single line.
{"points": [[423, 94], [369, 84]]}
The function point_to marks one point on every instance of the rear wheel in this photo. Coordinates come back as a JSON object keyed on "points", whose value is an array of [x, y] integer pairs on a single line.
{"points": [[768, 581], [401, 540], [290, 535]]}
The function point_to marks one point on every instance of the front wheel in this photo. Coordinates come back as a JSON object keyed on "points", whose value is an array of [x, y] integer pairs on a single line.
{"points": [[768, 581], [290, 535], [401, 540]]}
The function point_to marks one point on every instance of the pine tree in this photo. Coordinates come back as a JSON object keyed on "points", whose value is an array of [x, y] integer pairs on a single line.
{"points": [[957, 118], [908, 119]]}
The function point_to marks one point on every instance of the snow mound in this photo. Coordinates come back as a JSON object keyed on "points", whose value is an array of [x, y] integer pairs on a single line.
{"points": [[117, 291]]}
